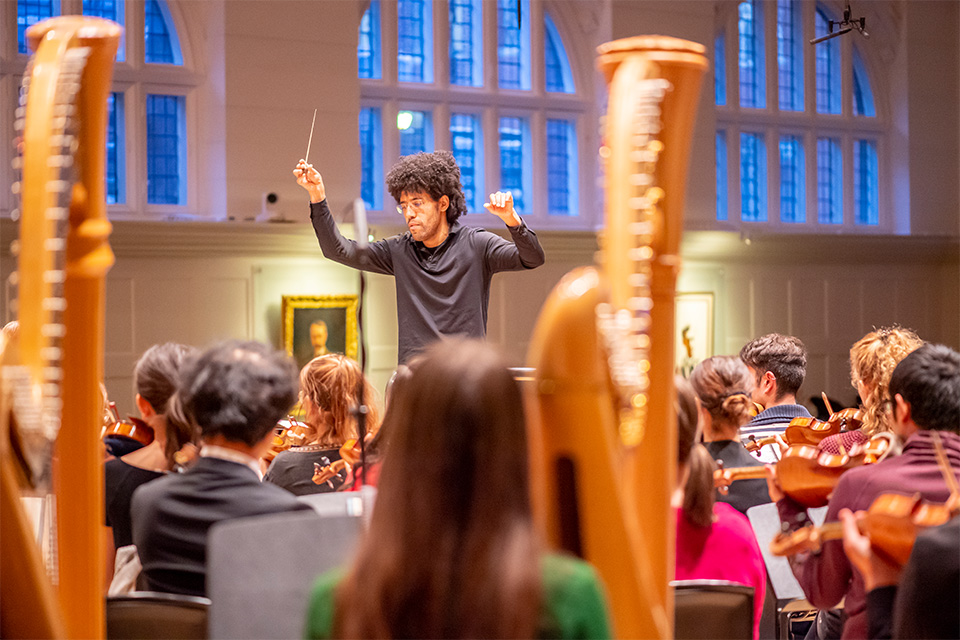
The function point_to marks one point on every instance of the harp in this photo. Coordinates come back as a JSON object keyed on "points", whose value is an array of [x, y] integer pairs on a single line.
{"points": [[602, 429], [50, 401]]}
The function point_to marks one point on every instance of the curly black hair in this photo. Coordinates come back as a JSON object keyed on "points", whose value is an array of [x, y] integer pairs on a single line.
{"points": [[435, 174]]}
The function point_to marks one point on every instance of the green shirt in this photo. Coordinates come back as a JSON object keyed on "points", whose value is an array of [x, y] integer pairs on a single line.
{"points": [[574, 605]]}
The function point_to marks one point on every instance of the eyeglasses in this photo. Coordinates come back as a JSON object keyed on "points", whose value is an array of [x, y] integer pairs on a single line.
{"points": [[415, 205]]}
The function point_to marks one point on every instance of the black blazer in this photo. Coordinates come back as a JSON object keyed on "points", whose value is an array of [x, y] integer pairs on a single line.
{"points": [[171, 517]]}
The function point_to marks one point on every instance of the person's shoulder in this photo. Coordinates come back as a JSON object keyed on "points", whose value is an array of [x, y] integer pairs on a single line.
{"points": [[575, 606], [151, 492], [322, 605], [731, 521], [564, 573]]}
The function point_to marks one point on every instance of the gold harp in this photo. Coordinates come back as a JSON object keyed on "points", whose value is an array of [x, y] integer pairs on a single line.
{"points": [[602, 430], [51, 392]]}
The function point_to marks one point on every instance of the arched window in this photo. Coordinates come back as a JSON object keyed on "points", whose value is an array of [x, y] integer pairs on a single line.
{"points": [[515, 129], [148, 108], [801, 159]]}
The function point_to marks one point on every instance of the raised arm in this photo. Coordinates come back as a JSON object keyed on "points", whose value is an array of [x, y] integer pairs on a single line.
{"points": [[375, 257], [524, 252]]}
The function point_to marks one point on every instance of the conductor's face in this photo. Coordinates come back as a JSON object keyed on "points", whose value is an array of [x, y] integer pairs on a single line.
{"points": [[426, 218]]}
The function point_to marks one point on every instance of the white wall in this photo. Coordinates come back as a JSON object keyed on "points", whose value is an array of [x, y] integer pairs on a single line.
{"points": [[199, 281]]}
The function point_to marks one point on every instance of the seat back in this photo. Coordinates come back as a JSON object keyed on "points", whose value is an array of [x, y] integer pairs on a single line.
{"points": [[712, 609], [148, 615], [343, 503], [260, 570]]}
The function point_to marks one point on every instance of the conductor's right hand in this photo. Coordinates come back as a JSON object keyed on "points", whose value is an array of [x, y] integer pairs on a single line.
{"points": [[309, 178]]}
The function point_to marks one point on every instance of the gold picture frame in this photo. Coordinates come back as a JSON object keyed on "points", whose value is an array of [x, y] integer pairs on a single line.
{"points": [[334, 315]]}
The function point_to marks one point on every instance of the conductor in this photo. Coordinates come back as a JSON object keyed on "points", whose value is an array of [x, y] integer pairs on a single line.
{"points": [[442, 269]]}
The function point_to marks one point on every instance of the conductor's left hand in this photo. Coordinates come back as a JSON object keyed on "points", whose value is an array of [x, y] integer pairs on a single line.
{"points": [[501, 205]]}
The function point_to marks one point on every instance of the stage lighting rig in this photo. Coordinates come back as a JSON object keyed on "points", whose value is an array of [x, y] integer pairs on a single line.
{"points": [[844, 26]]}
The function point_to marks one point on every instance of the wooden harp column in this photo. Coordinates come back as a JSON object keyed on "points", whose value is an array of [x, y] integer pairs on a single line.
{"points": [[603, 423], [63, 257]]}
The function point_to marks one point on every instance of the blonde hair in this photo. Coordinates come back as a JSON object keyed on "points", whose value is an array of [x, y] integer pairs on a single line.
{"points": [[872, 361], [331, 382]]}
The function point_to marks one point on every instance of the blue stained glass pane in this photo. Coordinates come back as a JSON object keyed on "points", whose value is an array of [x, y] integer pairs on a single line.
{"points": [[465, 43], [166, 150], [368, 46], [415, 136], [751, 58], [411, 41], [829, 181], [370, 158], [30, 12], [465, 139], [561, 152], [721, 175], [789, 55], [720, 70], [862, 94], [828, 68], [792, 183], [111, 10], [511, 159], [558, 76], [161, 44], [866, 188], [116, 192], [753, 178], [513, 68]]}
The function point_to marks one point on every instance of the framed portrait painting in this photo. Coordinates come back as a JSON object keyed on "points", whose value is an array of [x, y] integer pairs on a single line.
{"points": [[317, 325]]}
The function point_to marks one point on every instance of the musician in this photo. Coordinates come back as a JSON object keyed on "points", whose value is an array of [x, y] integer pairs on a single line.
{"points": [[442, 269], [452, 551], [156, 376], [918, 600], [236, 392], [924, 400], [714, 541], [328, 395], [723, 384], [778, 364], [872, 361]]}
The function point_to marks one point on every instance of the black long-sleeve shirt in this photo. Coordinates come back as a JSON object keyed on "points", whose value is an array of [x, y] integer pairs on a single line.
{"points": [[441, 291]]}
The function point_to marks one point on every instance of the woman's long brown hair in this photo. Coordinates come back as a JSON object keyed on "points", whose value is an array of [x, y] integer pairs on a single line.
{"points": [[451, 551]]}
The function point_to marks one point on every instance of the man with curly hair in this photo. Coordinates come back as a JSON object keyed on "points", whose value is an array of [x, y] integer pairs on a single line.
{"points": [[442, 269]]}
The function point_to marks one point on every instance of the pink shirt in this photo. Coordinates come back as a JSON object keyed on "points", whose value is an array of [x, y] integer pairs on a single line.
{"points": [[726, 550]]}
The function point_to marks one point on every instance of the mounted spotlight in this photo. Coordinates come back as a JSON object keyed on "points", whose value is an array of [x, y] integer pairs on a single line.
{"points": [[844, 26]]}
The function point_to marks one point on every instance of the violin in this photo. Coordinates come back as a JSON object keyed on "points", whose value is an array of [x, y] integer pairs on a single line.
{"points": [[892, 523], [807, 474], [810, 430], [132, 428], [288, 433], [328, 471]]}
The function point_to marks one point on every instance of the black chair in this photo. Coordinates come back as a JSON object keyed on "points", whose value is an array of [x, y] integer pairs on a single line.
{"points": [[712, 609], [149, 615]]}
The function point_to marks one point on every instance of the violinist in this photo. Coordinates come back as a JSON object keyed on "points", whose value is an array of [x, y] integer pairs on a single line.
{"points": [[778, 364], [918, 600], [156, 376], [723, 384], [328, 394], [872, 361], [924, 397]]}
